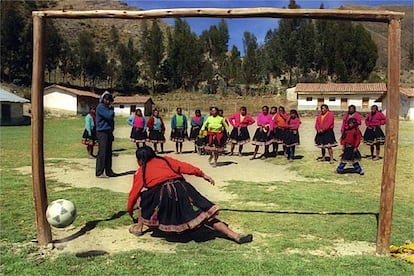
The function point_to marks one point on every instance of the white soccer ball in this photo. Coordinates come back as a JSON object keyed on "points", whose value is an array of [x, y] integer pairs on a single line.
{"points": [[61, 213]]}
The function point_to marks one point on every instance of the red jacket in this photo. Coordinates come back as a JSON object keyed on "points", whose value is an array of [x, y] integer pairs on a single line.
{"points": [[157, 172], [374, 120], [327, 124], [150, 123], [234, 120], [351, 137]]}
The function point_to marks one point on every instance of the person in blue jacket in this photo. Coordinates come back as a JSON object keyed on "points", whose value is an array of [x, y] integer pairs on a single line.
{"points": [[105, 125], [179, 129]]}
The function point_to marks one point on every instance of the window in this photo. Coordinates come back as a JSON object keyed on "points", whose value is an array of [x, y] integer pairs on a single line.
{"points": [[365, 103], [331, 99], [308, 99], [121, 106], [344, 103]]}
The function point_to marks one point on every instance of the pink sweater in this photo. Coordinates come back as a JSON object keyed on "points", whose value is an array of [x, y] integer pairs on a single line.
{"points": [[234, 120], [265, 120], [293, 124]]}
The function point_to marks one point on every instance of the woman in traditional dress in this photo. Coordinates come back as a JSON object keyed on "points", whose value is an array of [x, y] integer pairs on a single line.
{"points": [[240, 134], [168, 202], [217, 130], [138, 130], [374, 136], [156, 128], [325, 136]]}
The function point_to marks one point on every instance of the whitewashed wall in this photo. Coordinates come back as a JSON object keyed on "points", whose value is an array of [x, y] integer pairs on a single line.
{"points": [[60, 100]]}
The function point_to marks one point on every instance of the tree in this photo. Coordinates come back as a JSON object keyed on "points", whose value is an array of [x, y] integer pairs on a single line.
{"points": [[12, 29], [95, 66], [250, 66], [272, 51], [232, 69], [85, 49], [185, 56], [128, 69], [215, 43], [53, 48], [306, 47], [154, 52]]}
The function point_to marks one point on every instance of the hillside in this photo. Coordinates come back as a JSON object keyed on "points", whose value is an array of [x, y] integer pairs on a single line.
{"points": [[100, 29], [379, 32]]}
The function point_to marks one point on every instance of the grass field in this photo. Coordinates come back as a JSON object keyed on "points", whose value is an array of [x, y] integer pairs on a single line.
{"points": [[292, 237]]}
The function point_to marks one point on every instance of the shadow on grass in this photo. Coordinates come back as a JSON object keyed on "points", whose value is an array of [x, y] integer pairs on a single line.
{"points": [[88, 227], [202, 234], [306, 212], [225, 163]]}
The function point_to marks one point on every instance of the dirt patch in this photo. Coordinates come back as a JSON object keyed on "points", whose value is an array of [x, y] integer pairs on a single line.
{"points": [[106, 241], [81, 173]]}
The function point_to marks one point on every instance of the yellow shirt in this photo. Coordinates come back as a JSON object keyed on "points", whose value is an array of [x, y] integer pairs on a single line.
{"points": [[215, 124]]}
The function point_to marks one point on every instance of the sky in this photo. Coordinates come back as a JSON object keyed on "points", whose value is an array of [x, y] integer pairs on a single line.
{"points": [[237, 27]]}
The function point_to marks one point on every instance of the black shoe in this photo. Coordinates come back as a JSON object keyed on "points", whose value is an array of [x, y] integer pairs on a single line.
{"points": [[245, 239]]}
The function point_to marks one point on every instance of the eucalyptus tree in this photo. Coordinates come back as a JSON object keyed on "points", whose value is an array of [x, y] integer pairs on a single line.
{"points": [[128, 71], [153, 52], [250, 66], [185, 58]]}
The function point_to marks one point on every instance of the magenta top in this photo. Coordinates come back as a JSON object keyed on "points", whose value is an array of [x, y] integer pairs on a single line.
{"points": [[265, 120], [293, 124], [375, 119], [138, 122]]}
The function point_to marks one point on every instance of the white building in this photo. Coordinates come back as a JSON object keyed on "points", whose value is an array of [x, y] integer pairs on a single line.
{"points": [[126, 105], [338, 96], [11, 107], [64, 100], [406, 103]]}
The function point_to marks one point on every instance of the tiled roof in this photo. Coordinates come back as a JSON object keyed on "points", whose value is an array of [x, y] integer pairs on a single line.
{"points": [[341, 87], [131, 99], [6, 96], [408, 91], [72, 91]]}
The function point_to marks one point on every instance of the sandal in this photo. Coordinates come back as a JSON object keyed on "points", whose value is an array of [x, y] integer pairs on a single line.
{"points": [[134, 232], [245, 239]]}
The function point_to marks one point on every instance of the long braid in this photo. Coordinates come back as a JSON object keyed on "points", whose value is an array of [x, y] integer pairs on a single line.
{"points": [[145, 154]]}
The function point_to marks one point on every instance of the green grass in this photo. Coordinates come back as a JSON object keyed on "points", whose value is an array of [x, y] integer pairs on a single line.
{"points": [[290, 220]]}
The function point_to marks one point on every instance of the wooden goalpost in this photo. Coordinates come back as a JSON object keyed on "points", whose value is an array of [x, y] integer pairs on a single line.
{"points": [[393, 19]]}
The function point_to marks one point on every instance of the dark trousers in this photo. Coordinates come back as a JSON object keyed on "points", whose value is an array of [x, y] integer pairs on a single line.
{"points": [[104, 158]]}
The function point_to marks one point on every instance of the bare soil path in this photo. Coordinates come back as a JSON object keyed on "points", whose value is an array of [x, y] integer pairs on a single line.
{"points": [[80, 173]]}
